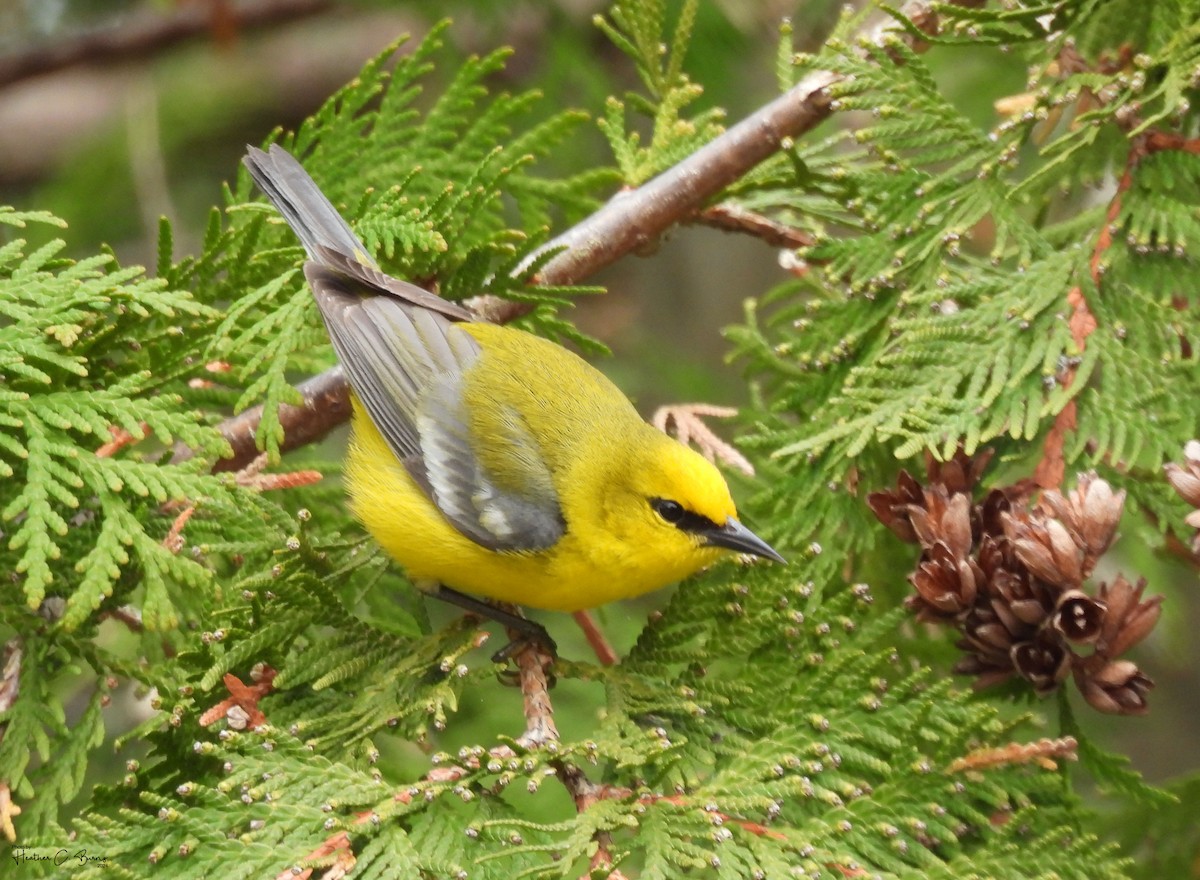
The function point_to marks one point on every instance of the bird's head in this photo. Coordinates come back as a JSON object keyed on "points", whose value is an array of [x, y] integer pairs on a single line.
{"points": [[671, 509]]}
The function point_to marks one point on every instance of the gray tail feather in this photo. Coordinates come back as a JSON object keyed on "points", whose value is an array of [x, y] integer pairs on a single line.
{"points": [[312, 217]]}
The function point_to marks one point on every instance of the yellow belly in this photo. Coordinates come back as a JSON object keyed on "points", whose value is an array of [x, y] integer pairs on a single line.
{"points": [[572, 575]]}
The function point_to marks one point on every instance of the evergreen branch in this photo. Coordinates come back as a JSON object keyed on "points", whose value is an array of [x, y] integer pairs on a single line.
{"points": [[1051, 468], [630, 221], [733, 218]]}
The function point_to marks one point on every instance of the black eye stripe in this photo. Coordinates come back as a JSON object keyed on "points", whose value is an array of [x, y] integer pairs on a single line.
{"points": [[680, 517]]}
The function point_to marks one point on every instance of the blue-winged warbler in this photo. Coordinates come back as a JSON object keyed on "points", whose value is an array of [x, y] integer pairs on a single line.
{"points": [[488, 460]]}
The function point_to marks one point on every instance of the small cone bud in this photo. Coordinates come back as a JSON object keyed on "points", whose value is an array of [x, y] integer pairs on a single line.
{"points": [[1079, 617], [1042, 663]]}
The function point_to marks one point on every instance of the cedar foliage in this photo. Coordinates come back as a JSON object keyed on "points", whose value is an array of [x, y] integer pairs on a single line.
{"points": [[771, 722]]}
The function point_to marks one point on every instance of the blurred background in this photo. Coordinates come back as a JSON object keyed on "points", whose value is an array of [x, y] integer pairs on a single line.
{"points": [[116, 112]]}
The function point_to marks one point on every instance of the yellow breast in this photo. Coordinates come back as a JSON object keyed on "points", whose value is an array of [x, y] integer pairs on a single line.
{"points": [[577, 572]]}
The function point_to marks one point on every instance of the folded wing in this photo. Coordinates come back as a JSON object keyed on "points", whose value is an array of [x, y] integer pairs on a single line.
{"points": [[406, 361]]}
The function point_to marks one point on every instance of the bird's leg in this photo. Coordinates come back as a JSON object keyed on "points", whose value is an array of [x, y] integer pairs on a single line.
{"points": [[528, 631]]}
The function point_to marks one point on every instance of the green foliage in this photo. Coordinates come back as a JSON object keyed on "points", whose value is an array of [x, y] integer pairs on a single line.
{"points": [[91, 352], [462, 210], [1163, 837], [769, 722], [639, 30], [824, 750], [934, 310], [88, 351]]}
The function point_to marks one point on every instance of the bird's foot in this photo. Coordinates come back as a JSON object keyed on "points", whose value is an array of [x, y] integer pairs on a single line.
{"points": [[527, 636], [524, 634], [528, 646]]}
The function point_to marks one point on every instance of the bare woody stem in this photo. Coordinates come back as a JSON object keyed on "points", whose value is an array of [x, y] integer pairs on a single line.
{"points": [[326, 405], [634, 219], [628, 222], [1051, 468]]}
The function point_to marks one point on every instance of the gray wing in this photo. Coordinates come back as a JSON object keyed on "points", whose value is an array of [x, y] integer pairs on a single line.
{"points": [[406, 361], [407, 366]]}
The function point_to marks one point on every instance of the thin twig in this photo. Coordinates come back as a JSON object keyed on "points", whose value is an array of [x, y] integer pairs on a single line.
{"points": [[326, 406], [732, 218], [252, 476], [535, 689], [635, 218], [129, 615], [1051, 468], [595, 637], [686, 421], [174, 539], [627, 223]]}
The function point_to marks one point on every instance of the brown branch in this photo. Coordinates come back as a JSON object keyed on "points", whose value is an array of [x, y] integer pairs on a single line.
{"points": [[596, 638], [585, 793], [129, 615], [535, 689], [634, 219], [326, 406], [1051, 468], [602, 859], [139, 35], [628, 222], [732, 218]]}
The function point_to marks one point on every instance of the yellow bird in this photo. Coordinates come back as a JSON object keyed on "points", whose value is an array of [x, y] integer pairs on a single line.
{"points": [[491, 462]]}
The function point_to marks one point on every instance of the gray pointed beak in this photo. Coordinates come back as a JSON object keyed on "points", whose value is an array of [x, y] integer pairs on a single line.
{"points": [[735, 536]]}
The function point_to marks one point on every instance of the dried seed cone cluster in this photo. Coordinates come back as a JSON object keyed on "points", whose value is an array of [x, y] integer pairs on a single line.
{"points": [[1012, 580], [1185, 479]]}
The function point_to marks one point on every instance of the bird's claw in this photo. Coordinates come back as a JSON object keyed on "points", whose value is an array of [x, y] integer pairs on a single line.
{"points": [[540, 643]]}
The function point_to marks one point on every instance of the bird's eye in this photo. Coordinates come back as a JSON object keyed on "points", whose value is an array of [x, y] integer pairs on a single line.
{"points": [[671, 511]]}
